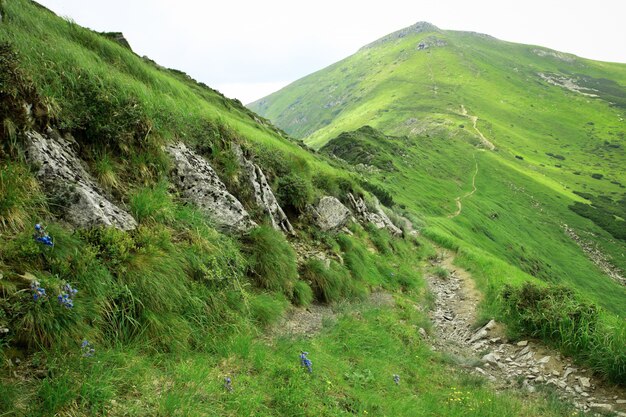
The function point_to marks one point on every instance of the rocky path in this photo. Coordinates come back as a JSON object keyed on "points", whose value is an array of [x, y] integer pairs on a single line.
{"points": [[488, 144], [524, 364], [458, 200]]}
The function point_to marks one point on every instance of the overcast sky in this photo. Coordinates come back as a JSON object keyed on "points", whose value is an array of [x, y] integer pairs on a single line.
{"points": [[248, 49]]}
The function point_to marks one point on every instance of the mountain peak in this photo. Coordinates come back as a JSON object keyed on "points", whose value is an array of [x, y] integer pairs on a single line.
{"points": [[419, 27]]}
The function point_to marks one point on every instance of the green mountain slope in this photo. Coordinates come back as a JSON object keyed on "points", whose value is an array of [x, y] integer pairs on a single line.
{"points": [[176, 316], [533, 129]]}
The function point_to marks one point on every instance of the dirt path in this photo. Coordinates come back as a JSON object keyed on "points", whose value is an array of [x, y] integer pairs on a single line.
{"points": [[488, 144], [486, 351], [458, 200]]}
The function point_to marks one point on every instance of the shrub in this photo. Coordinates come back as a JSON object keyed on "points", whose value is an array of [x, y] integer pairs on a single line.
{"points": [[294, 192], [272, 261], [302, 294]]}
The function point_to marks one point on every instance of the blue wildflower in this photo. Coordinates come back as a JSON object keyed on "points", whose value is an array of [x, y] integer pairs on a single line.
{"points": [[39, 293], [87, 349], [42, 236], [66, 298], [396, 379], [228, 384], [306, 362]]}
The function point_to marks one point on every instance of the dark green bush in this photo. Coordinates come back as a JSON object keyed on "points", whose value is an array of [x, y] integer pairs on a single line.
{"points": [[272, 261], [294, 192]]}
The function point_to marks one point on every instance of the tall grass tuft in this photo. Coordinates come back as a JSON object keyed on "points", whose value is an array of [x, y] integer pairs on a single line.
{"points": [[20, 196], [272, 261], [333, 282], [556, 314]]}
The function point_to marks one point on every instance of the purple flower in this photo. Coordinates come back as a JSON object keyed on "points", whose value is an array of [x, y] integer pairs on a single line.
{"points": [[306, 362]]}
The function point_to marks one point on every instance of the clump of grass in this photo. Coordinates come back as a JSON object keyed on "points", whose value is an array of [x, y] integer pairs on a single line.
{"points": [[106, 171], [441, 272], [556, 314], [267, 308], [271, 260], [302, 294], [153, 203], [20, 196], [294, 192], [333, 282]]}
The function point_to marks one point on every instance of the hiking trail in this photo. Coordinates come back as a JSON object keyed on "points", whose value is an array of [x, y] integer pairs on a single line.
{"points": [[458, 200], [488, 144], [526, 364]]}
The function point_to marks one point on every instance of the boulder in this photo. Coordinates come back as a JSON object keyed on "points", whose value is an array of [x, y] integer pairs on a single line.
{"points": [[198, 183], [330, 214], [66, 180], [262, 193], [379, 219]]}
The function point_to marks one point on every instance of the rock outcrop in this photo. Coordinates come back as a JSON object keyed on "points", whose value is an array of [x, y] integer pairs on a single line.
{"points": [[378, 219], [199, 184], [330, 214], [262, 193], [66, 181]]}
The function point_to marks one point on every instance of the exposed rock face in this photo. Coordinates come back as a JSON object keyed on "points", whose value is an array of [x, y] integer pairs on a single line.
{"points": [[199, 184], [378, 219], [65, 179], [330, 214], [117, 37], [263, 195], [431, 42]]}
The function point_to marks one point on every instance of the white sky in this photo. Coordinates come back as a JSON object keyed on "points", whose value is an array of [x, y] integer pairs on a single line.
{"points": [[248, 49]]}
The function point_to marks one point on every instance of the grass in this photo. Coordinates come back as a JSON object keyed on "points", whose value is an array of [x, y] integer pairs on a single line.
{"points": [[271, 259]]}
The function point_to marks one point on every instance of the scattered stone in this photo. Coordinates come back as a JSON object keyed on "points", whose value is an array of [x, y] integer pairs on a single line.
{"points": [[491, 358], [65, 179], [544, 360], [585, 382], [605, 407], [522, 343]]}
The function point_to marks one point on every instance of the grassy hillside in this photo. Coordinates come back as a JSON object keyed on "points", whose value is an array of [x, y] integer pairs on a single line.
{"points": [[164, 313], [553, 146], [497, 146]]}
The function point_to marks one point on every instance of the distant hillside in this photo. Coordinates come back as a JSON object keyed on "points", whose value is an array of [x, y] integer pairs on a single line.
{"points": [[531, 128]]}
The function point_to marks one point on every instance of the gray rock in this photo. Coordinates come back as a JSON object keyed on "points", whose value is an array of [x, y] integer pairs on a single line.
{"points": [[379, 219], [63, 176], [491, 358], [262, 193], [330, 214], [522, 343], [199, 184], [585, 382]]}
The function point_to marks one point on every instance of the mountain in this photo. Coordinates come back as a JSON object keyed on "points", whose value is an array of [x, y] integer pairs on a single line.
{"points": [[166, 251], [538, 134]]}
